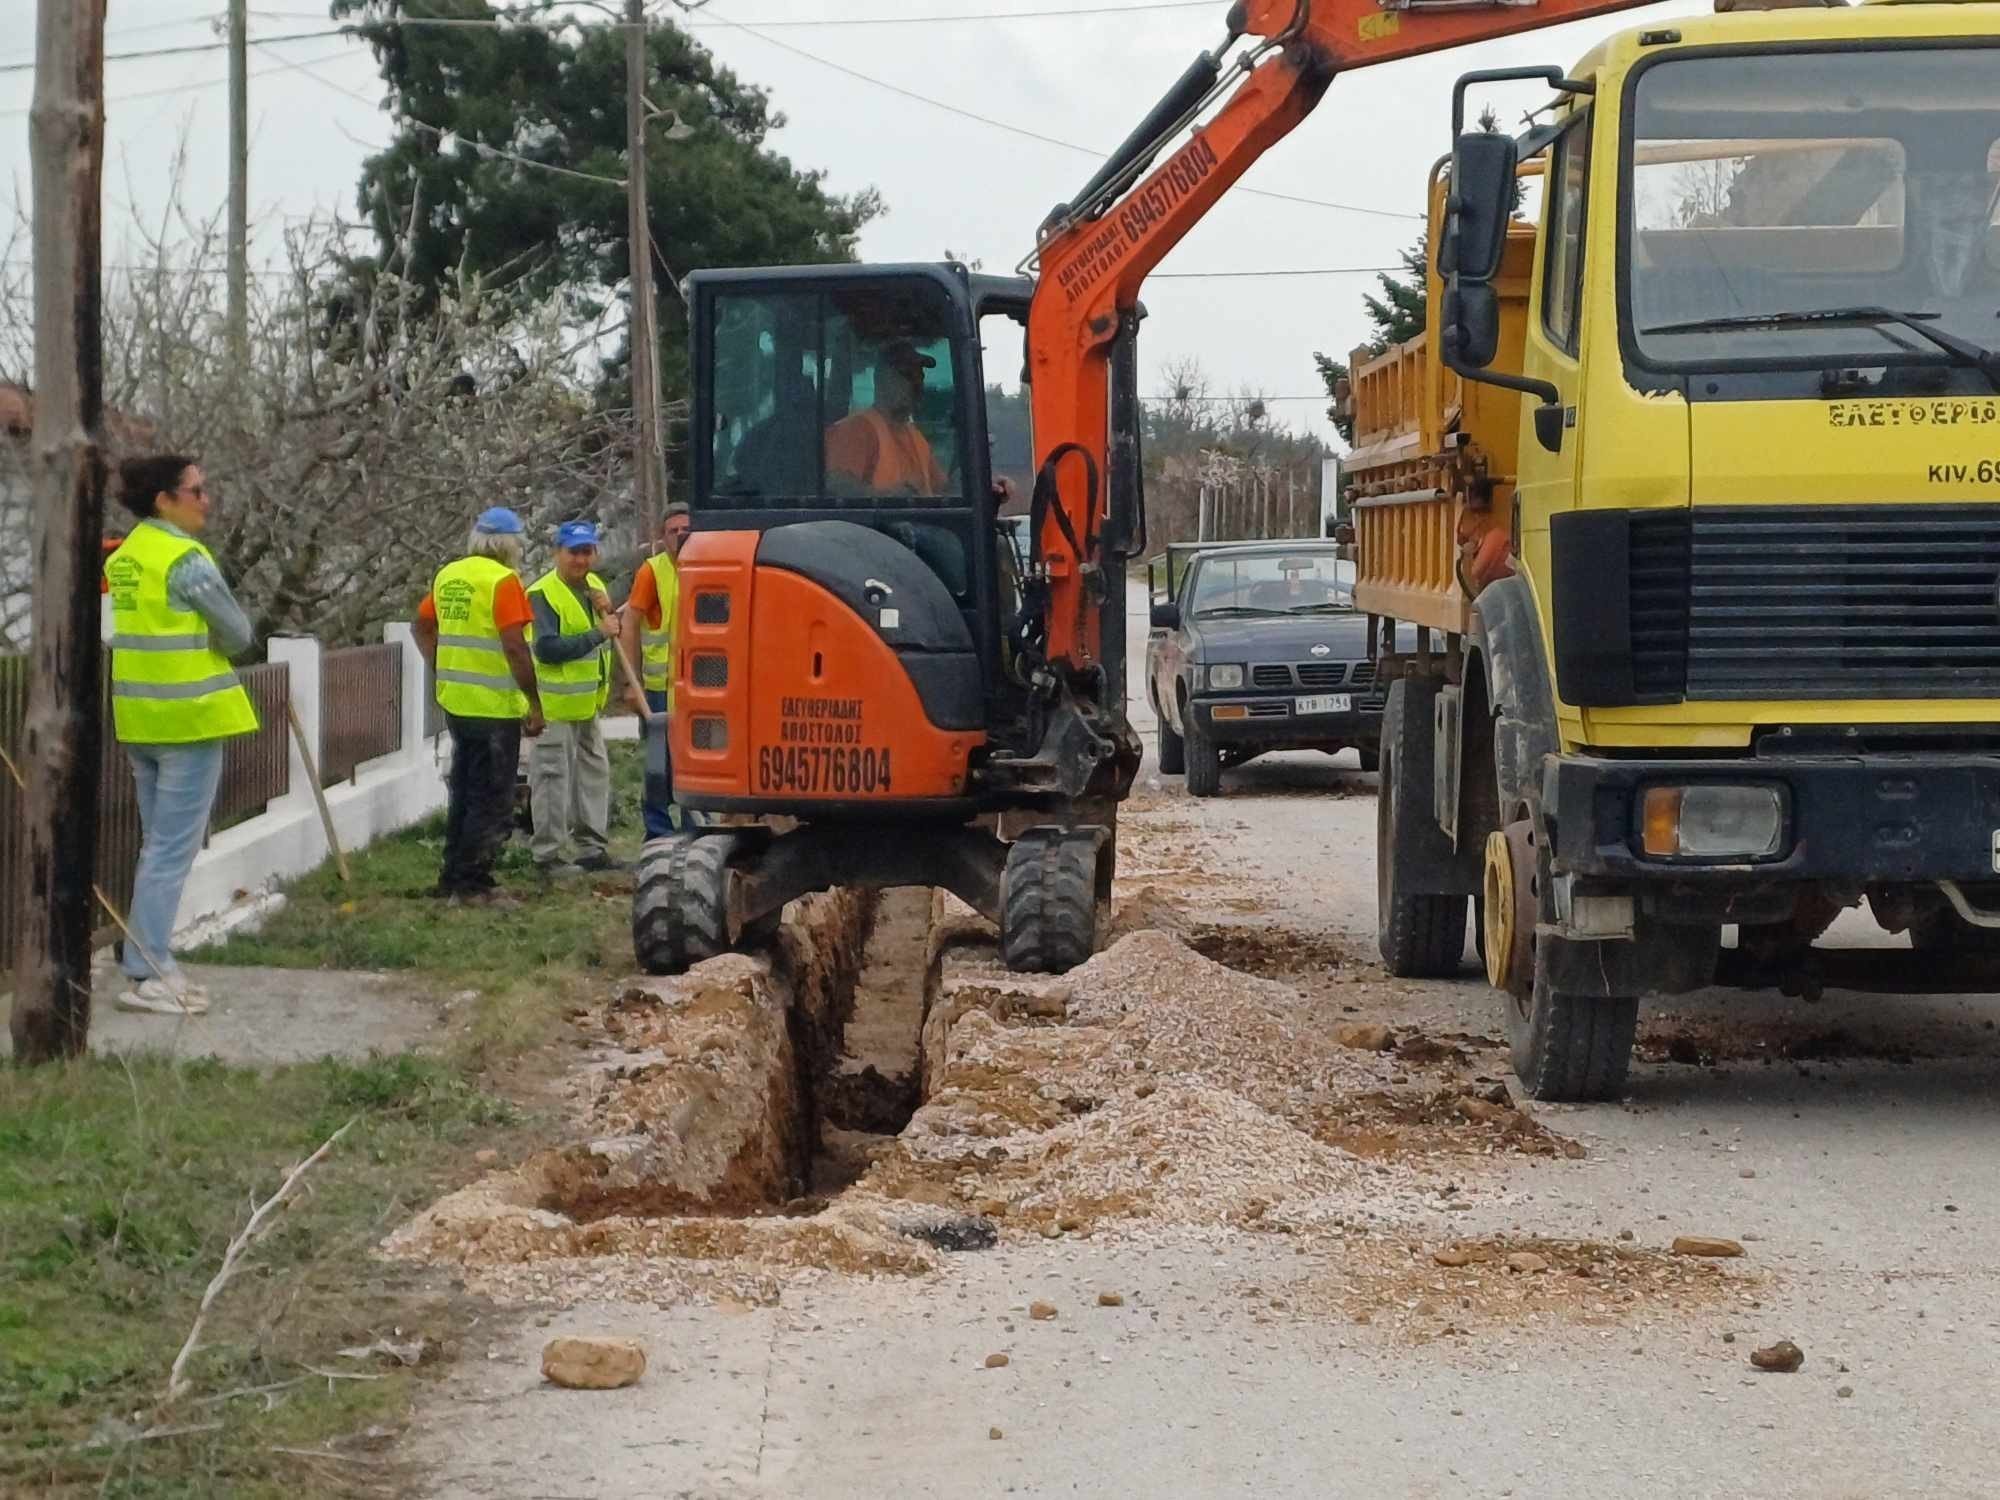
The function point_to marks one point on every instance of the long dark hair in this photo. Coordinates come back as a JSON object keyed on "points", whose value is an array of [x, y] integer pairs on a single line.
{"points": [[141, 481]]}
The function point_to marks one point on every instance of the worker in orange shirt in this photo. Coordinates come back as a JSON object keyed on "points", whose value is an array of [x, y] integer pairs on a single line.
{"points": [[472, 628], [880, 450], [648, 629]]}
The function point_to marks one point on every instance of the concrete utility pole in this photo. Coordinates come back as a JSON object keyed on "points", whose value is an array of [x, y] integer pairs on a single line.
{"points": [[647, 461], [239, 180], [60, 744]]}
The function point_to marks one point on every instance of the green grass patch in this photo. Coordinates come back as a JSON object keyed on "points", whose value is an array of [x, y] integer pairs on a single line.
{"points": [[386, 919], [124, 1182]]}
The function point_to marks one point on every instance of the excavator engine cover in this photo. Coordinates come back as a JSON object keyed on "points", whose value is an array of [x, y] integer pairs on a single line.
{"points": [[863, 693]]}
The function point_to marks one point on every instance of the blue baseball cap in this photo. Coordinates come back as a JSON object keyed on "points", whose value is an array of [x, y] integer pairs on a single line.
{"points": [[576, 534], [499, 521]]}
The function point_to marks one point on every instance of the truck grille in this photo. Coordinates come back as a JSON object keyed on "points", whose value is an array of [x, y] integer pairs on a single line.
{"points": [[1313, 674], [1790, 602]]}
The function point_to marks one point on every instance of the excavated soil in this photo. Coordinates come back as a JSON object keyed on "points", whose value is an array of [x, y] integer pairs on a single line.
{"points": [[877, 1093], [1710, 1043], [1426, 1291]]}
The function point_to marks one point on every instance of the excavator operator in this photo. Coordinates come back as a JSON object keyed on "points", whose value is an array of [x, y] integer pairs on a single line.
{"points": [[880, 450]]}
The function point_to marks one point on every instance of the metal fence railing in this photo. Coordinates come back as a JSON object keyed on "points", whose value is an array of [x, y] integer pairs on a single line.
{"points": [[247, 785], [257, 768], [361, 707]]}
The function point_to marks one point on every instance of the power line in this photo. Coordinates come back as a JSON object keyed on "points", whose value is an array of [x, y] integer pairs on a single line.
{"points": [[1012, 129], [478, 147], [208, 83], [1259, 275], [208, 19], [188, 50], [1145, 7]]}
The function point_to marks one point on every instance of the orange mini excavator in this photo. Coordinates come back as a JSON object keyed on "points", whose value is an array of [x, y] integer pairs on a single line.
{"points": [[859, 649]]}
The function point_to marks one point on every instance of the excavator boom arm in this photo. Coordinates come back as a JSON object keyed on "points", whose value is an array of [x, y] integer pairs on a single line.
{"points": [[1097, 250]]}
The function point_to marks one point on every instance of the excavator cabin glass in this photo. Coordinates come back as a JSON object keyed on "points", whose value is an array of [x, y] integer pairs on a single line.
{"points": [[856, 393]]}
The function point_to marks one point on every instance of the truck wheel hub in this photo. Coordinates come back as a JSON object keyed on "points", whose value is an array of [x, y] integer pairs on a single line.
{"points": [[1510, 907]]}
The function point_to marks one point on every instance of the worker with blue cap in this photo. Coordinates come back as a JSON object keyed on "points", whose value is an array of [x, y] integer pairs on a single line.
{"points": [[569, 769], [472, 628]]}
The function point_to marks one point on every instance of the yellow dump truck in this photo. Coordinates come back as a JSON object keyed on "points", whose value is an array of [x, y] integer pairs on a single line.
{"points": [[1691, 490]]}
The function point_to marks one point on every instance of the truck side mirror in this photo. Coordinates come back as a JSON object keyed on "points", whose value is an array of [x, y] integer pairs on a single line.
{"points": [[1166, 617], [1471, 319], [1482, 201]]}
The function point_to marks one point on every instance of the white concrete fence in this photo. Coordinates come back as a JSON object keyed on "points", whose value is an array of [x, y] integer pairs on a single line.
{"points": [[233, 877]]}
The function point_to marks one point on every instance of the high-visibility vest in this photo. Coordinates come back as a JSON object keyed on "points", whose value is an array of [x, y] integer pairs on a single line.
{"points": [[573, 690], [658, 645], [169, 686], [473, 678]]}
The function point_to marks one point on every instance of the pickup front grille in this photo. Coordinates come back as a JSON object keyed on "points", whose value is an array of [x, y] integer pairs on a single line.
{"points": [[1313, 674], [1797, 602]]}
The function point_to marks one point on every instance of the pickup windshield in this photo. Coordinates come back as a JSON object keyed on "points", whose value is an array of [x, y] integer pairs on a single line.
{"points": [[1780, 201], [1272, 583]]}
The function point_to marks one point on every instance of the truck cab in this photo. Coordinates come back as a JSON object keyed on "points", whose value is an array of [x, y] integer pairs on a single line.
{"points": [[1692, 491]]}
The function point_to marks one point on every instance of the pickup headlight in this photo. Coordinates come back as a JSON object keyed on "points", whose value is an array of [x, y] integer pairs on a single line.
{"points": [[1226, 678], [1712, 821]]}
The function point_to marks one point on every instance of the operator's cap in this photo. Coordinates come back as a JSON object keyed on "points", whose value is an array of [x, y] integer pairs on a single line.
{"points": [[498, 521], [902, 354], [575, 534]]}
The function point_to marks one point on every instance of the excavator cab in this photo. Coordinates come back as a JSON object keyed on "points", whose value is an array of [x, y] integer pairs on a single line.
{"points": [[848, 644], [834, 397]]}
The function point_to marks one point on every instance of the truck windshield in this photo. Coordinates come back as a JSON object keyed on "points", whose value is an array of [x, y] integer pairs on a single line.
{"points": [[1780, 201], [1273, 583]]}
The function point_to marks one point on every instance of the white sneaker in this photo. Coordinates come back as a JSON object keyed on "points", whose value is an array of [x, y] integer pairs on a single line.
{"points": [[164, 997]]}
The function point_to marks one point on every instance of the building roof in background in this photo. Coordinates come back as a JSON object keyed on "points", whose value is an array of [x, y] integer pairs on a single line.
{"points": [[125, 433]]}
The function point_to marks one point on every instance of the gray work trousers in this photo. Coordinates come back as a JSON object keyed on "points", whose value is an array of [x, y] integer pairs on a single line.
{"points": [[569, 781]]}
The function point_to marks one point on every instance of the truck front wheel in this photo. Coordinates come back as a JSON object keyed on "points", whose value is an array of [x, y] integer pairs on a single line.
{"points": [[1571, 1049], [1204, 760]]}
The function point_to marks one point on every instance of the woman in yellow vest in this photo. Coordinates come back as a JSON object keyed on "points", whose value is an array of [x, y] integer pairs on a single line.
{"points": [[649, 638], [472, 628], [569, 769], [175, 701]]}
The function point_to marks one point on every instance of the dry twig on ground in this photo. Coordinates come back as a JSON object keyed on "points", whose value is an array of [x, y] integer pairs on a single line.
{"points": [[177, 1382]]}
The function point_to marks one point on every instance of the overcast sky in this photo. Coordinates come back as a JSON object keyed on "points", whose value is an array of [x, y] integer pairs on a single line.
{"points": [[949, 181]]}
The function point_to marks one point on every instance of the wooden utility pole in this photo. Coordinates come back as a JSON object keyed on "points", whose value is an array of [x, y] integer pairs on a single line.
{"points": [[239, 181], [61, 739], [647, 460]]}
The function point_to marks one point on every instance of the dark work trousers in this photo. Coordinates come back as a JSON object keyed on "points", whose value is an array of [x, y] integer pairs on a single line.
{"points": [[485, 759], [662, 815]]}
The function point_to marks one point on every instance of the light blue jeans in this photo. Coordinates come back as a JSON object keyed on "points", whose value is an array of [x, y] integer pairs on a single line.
{"points": [[177, 786]]}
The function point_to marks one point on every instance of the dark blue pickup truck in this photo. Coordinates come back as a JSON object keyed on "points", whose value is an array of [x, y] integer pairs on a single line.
{"points": [[1256, 646]]}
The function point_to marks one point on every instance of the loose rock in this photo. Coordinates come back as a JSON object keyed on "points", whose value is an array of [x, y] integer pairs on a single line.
{"points": [[997, 1361], [1110, 1299], [593, 1364], [1782, 1358], [994, 1434], [1461, 1255], [1041, 1312], [1699, 1244], [1527, 1263], [1362, 1036], [1844, 1392]]}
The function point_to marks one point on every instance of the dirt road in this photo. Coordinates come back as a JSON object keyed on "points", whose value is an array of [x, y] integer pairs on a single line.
{"points": [[1366, 1334]]}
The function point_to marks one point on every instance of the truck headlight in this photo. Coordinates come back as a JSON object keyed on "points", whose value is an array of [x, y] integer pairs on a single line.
{"points": [[1712, 821], [1225, 678]]}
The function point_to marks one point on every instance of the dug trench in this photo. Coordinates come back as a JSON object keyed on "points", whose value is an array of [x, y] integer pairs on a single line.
{"points": [[874, 1094]]}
